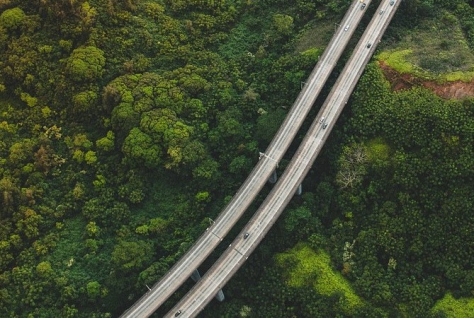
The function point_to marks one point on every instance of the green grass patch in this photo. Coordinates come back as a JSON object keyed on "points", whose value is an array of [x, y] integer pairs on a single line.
{"points": [[314, 36], [454, 308], [314, 267], [378, 149], [435, 50], [397, 60]]}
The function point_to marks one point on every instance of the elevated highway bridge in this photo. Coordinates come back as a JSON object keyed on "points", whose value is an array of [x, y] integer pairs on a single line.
{"points": [[203, 247], [283, 191], [256, 229]]}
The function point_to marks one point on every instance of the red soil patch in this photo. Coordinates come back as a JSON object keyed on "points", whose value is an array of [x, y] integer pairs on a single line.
{"points": [[448, 90]]}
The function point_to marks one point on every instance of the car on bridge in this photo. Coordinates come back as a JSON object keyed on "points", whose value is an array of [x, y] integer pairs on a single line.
{"points": [[325, 125], [362, 7]]}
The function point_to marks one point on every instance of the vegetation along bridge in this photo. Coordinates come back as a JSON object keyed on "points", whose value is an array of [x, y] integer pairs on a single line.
{"points": [[262, 221]]}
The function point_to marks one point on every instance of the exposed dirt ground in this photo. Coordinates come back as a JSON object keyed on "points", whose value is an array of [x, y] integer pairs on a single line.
{"points": [[449, 90]]}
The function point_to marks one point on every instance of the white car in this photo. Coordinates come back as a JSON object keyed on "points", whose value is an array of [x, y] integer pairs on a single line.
{"points": [[321, 120]]}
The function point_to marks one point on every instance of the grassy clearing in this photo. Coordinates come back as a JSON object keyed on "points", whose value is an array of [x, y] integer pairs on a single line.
{"points": [[315, 36], [311, 267], [435, 50], [455, 308], [378, 149]]}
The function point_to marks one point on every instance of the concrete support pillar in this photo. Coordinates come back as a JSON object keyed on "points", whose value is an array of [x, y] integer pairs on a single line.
{"points": [[299, 190], [196, 276], [273, 178]]}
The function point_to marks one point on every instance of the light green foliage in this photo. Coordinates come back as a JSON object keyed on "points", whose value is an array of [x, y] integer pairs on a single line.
{"points": [[106, 143], [88, 15], [46, 49], [397, 60], [99, 181], [314, 268], [283, 23], [66, 45], [81, 140], [78, 155], [29, 223], [207, 169], [46, 111], [90, 157], [140, 146], [78, 191], [158, 225], [454, 308], [85, 101], [93, 289], [28, 99], [142, 230], [12, 18], [28, 168], [136, 196], [129, 255], [378, 149], [21, 151], [155, 226], [458, 76], [313, 53], [202, 197], [240, 165], [8, 128], [86, 64], [92, 229], [44, 269]]}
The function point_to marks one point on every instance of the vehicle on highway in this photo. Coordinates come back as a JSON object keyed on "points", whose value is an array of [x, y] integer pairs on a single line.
{"points": [[362, 7], [392, 2], [321, 120], [346, 28], [369, 45], [325, 125], [177, 313], [381, 11], [246, 235]]}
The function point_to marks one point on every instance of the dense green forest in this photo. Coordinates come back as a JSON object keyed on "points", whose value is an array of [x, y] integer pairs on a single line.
{"points": [[125, 126]]}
